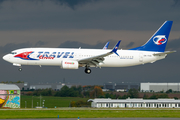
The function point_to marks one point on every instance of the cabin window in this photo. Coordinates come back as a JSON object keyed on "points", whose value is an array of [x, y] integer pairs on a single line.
{"points": [[13, 53]]}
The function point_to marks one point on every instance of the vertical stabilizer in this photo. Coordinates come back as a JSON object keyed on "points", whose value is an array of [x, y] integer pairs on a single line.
{"points": [[159, 40]]}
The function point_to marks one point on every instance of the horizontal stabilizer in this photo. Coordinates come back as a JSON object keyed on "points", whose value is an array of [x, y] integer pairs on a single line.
{"points": [[164, 53]]}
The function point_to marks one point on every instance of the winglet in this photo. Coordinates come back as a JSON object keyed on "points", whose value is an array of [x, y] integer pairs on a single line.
{"points": [[116, 48], [106, 46]]}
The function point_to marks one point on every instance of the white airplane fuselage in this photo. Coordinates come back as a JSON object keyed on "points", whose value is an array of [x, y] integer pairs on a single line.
{"points": [[55, 56]]}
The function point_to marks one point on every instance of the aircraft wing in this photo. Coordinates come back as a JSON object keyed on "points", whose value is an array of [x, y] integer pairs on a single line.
{"points": [[95, 60], [164, 53]]}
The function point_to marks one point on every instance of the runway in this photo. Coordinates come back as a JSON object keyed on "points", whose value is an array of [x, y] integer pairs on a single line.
{"points": [[99, 119]]}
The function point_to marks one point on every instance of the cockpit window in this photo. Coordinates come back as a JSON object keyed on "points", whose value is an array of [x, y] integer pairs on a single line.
{"points": [[13, 53]]}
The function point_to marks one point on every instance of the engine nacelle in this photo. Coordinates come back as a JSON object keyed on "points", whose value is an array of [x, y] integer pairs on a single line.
{"points": [[69, 65]]}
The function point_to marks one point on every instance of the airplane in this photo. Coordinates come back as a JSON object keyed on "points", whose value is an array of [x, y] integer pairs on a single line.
{"points": [[74, 58]]}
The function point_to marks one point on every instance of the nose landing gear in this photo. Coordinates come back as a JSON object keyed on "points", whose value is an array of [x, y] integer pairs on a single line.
{"points": [[20, 69]]}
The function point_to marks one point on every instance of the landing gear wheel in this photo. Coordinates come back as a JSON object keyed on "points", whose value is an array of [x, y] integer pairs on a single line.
{"points": [[20, 69], [87, 70]]}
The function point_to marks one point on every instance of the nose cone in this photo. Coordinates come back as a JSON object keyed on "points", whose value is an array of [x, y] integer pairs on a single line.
{"points": [[6, 57]]}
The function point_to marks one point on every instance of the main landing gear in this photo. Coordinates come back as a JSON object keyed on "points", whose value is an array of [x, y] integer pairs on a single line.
{"points": [[87, 70]]}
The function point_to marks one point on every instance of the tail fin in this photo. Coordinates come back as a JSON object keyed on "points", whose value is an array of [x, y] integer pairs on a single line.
{"points": [[159, 40]]}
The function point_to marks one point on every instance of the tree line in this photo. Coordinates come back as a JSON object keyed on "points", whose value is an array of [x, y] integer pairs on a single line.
{"points": [[79, 91], [11, 82], [92, 92]]}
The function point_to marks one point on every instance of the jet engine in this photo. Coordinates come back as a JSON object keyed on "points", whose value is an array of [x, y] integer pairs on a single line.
{"points": [[69, 64]]}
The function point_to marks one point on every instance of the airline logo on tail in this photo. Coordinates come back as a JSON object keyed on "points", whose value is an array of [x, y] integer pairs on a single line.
{"points": [[159, 39]]}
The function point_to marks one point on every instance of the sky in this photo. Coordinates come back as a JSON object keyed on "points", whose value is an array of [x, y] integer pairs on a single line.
{"points": [[88, 24]]}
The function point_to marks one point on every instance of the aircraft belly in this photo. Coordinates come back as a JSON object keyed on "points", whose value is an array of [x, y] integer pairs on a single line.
{"points": [[40, 62], [54, 62]]}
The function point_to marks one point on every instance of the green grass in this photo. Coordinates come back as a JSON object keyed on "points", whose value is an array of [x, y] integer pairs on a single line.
{"points": [[50, 101], [89, 113], [62, 102]]}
